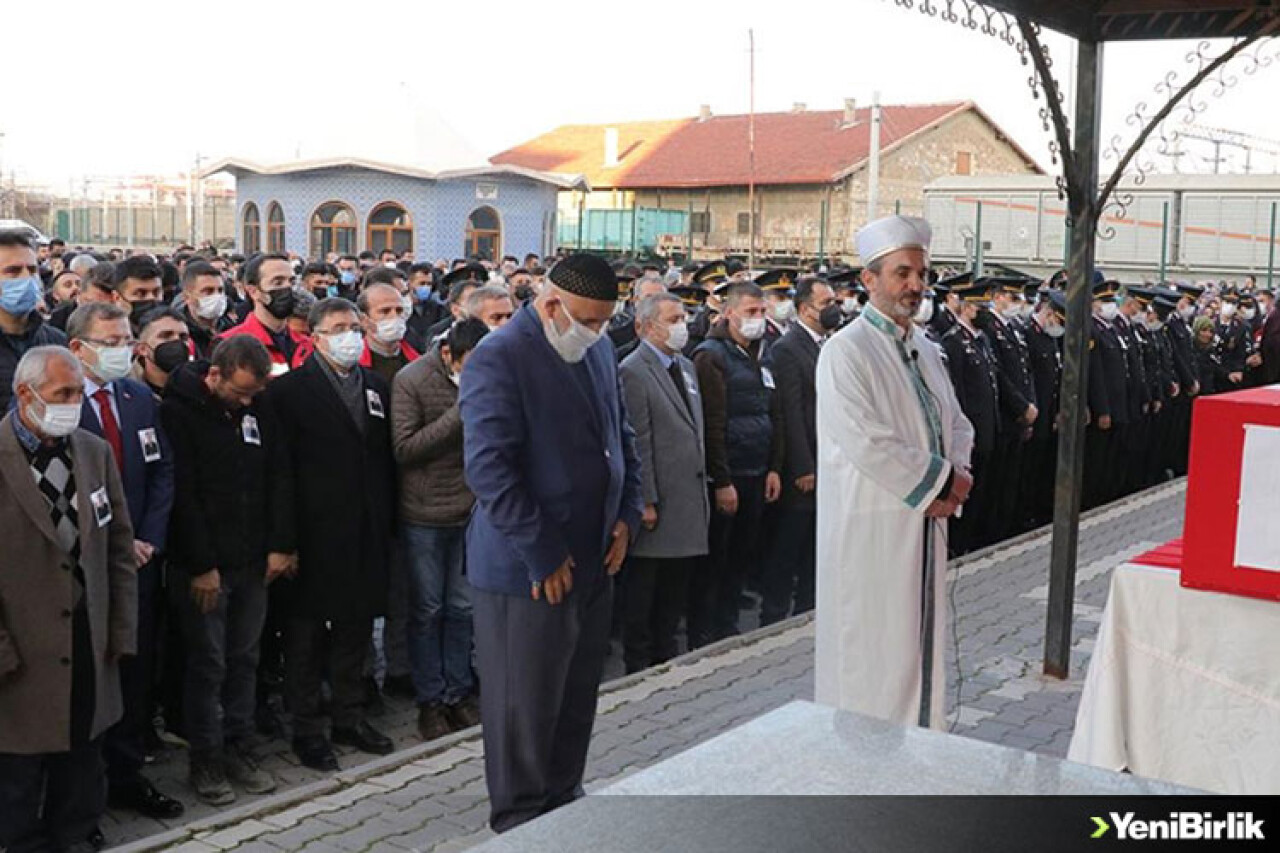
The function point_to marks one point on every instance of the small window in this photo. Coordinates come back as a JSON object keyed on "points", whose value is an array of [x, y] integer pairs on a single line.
{"points": [[251, 234], [744, 223], [275, 227], [390, 228], [700, 222], [964, 163], [483, 238], [333, 229]]}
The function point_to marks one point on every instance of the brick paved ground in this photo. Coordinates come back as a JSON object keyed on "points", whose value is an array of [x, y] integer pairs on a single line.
{"points": [[432, 797]]}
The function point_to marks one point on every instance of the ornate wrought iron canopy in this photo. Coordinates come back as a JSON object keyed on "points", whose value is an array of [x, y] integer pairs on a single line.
{"points": [[1249, 25], [1136, 20]]}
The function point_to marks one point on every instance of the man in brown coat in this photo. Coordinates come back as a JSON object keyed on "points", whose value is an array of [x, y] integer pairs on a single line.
{"points": [[68, 599], [435, 506]]}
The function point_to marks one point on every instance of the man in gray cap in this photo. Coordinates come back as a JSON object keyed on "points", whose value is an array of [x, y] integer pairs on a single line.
{"points": [[551, 459]]}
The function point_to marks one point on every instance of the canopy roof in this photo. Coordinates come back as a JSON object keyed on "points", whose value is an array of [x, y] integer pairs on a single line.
{"points": [[1132, 20]]}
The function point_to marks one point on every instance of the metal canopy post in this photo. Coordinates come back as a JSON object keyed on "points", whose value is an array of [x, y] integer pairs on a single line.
{"points": [[1083, 206]]}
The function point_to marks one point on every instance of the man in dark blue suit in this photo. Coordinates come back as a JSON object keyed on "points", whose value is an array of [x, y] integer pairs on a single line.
{"points": [[552, 462], [123, 412]]}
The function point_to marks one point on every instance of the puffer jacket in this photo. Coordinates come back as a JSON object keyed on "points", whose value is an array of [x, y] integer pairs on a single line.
{"points": [[426, 433]]}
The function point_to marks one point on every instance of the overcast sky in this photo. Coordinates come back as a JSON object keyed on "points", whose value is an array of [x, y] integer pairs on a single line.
{"points": [[138, 87]]}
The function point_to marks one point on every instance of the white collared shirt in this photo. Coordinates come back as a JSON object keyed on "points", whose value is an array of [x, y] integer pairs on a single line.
{"points": [[92, 387]]}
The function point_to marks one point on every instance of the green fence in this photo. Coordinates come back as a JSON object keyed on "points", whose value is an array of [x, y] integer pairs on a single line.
{"points": [[633, 230]]}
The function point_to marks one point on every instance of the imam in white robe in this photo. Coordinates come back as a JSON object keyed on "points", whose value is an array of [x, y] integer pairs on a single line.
{"points": [[882, 459]]}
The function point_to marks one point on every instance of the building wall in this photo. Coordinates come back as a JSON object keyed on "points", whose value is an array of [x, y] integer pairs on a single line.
{"points": [[791, 218], [438, 209]]}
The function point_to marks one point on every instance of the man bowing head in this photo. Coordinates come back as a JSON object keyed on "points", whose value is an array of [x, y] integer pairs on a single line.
{"points": [[893, 453], [552, 462]]}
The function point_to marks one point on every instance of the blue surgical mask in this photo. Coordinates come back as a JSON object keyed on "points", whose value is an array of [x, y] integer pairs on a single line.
{"points": [[331, 290], [20, 295], [347, 277], [423, 292]]}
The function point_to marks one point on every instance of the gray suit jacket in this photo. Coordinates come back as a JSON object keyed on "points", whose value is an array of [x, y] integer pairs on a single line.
{"points": [[672, 457], [36, 597]]}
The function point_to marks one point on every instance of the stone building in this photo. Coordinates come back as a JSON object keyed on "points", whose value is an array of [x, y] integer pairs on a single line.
{"points": [[810, 171], [347, 205]]}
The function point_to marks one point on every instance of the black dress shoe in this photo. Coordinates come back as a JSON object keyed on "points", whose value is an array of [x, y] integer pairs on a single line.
{"points": [[315, 752], [142, 797], [365, 738]]}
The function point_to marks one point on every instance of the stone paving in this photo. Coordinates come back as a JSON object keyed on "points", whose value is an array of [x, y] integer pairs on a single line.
{"points": [[431, 797]]}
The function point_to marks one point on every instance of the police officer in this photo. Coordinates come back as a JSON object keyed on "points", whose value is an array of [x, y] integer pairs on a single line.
{"points": [[707, 278], [1136, 436], [972, 365], [1108, 396], [1178, 330], [946, 306], [1018, 411], [1235, 342], [1044, 332]]}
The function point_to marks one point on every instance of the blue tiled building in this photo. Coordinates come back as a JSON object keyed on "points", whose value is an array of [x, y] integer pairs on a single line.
{"points": [[348, 205]]}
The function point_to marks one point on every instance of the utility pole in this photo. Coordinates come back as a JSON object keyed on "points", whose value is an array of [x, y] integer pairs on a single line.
{"points": [[873, 167], [751, 153]]}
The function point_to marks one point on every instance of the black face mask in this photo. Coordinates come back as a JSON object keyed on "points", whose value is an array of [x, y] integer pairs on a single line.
{"points": [[523, 293], [831, 316], [170, 354], [142, 306], [280, 303]]}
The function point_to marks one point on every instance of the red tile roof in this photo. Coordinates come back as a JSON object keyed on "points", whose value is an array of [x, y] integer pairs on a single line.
{"points": [[791, 148]]}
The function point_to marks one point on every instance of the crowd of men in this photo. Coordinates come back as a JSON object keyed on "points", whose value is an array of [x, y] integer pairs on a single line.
{"points": [[300, 487]]}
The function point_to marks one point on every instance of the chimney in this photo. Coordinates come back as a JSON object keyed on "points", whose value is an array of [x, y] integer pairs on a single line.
{"points": [[704, 112], [610, 147], [797, 107], [850, 111]]}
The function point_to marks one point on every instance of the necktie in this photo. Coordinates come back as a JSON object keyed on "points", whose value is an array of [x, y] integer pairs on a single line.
{"points": [[110, 426], [677, 376]]}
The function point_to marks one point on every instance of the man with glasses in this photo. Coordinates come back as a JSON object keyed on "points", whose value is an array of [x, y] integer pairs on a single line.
{"points": [[123, 412], [335, 494], [268, 283]]}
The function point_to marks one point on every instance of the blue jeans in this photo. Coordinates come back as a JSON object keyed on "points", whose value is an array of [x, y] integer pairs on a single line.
{"points": [[439, 614]]}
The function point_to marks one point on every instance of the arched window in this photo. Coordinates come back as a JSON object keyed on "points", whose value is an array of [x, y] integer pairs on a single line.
{"points": [[484, 234], [251, 230], [275, 227], [333, 229], [390, 228]]}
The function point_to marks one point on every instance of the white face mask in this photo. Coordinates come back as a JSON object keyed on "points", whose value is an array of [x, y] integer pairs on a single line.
{"points": [[345, 348], [1154, 324], [753, 329], [784, 311], [677, 335], [1109, 311], [1228, 310], [1011, 311], [211, 307], [391, 330], [407, 301], [1188, 313], [58, 420], [849, 305], [573, 343], [1056, 330], [113, 362], [925, 312], [1248, 313]]}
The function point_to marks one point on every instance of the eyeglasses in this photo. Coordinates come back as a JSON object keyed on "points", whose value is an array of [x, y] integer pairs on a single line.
{"points": [[128, 342]]}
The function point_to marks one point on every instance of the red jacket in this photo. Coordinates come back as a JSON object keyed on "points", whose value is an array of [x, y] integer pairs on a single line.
{"points": [[253, 326], [409, 353]]}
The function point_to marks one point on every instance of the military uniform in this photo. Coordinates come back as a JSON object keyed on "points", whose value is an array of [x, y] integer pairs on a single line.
{"points": [[1045, 355], [1108, 399], [972, 365]]}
